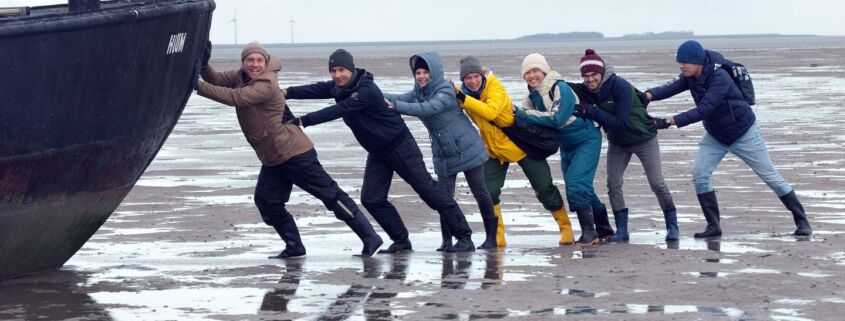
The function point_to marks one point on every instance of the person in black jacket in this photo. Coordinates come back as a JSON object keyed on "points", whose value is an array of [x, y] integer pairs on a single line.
{"points": [[730, 125], [390, 146]]}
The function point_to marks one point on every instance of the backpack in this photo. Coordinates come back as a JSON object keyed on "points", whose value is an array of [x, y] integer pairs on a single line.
{"points": [[741, 79]]}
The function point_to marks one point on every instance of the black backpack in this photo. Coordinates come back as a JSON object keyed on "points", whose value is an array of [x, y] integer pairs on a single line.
{"points": [[741, 79]]}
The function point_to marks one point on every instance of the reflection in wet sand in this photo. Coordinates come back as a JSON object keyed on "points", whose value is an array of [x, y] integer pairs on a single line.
{"points": [[49, 296]]}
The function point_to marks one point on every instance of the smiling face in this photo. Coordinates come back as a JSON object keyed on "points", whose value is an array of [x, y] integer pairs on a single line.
{"points": [[473, 81], [341, 75], [691, 70], [592, 80], [422, 77], [254, 64], [534, 77]]}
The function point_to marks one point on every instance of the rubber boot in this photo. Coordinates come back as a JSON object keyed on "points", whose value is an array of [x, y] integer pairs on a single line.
{"points": [[464, 244], [397, 247], [447, 237], [588, 227], [603, 227], [794, 205], [362, 227], [491, 225], [710, 207], [565, 225], [621, 219], [671, 218], [500, 231], [293, 243]]}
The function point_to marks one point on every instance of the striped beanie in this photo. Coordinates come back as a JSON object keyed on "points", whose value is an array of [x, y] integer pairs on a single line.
{"points": [[591, 62]]}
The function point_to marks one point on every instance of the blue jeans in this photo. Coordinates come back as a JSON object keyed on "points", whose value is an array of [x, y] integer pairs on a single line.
{"points": [[750, 147]]}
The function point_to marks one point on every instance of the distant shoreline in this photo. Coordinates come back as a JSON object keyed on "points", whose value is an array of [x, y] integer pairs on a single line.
{"points": [[531, 38]]}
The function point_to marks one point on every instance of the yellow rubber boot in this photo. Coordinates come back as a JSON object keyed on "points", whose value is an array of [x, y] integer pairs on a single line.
{"points": [[565, 225], [500, 231]]}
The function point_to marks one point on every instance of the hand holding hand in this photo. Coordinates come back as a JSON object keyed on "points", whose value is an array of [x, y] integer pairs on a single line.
{"points": [[294, 121], [655, 123], [206, 55], [389, 103]]}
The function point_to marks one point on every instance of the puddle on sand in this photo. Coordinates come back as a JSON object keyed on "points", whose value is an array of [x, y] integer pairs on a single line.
{"points": [[732, 313], [583, 294]]}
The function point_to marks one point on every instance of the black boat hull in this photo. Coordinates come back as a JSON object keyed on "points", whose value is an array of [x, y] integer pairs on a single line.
{"points": [[87, 101]]}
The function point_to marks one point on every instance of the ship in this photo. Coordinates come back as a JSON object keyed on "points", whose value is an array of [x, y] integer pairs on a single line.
{"points": [[89, 92]]}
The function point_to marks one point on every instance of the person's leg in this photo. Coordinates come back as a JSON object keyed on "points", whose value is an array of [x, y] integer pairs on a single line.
{"points": [[305, 171], [406, 159], [478, 187], [495, 173], [447, 183], [649, 155], [710, 153], [751, 148], [540, 177], [377, 178], [582, 161], [618, 159], [271, 193]]}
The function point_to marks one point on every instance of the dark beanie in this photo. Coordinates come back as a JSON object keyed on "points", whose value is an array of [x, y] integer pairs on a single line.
{"points": [[690, 52], [470, 64], [419, 63], [341, 58], [592, 62]]}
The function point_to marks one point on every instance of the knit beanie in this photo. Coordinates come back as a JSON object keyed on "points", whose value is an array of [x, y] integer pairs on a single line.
{"points": [[419, 63], [254, 47], [592, 62], [690, 52], [535, 60], [341, 58], [470, 64]]}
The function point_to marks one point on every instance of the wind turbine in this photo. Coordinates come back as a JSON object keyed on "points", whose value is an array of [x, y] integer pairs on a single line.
{"points": [[235, 21], [291, 29]]}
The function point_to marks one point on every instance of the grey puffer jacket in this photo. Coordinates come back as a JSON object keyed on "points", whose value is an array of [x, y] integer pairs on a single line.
{"points": [[455, 143]]}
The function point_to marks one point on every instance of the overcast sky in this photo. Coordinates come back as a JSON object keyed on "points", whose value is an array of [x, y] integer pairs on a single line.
{"points": [[268, 21]]}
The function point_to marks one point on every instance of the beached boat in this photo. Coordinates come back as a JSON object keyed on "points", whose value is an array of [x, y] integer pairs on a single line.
{"points": [[89, 91]]}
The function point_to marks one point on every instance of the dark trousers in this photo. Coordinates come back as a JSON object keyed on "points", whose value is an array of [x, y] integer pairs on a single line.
{"points": [[276, 182], [406, 160]]}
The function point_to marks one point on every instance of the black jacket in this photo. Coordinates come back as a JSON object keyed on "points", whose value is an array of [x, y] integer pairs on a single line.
{"points": [[362, 106]]}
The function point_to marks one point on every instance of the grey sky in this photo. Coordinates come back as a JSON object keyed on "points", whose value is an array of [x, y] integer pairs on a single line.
{"points": [[268, 21]]}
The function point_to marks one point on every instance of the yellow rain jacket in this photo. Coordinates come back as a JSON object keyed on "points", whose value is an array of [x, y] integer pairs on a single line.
{"points": [[494, 105]]}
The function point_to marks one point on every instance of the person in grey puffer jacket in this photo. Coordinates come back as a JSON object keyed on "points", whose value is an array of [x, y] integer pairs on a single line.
{"points": [[456, 145]]}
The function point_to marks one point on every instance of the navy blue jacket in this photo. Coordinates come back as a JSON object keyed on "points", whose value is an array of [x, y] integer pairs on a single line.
{"points": [[718, 102], [362, 106]]}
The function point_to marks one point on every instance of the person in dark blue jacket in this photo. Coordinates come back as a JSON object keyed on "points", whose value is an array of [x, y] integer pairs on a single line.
{"points": [[390, 146], [623, 116], [730, 126]]}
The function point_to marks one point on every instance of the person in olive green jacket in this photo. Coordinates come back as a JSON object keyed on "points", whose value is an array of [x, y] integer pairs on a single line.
{"points": [[485, 100], [288, 157], [630, 131]]}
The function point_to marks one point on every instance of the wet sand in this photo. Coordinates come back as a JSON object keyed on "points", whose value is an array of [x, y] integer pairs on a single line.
{"points": [[188, 244]]}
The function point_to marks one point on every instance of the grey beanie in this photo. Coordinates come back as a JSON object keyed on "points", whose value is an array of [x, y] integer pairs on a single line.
{"points": [[470, 64]]}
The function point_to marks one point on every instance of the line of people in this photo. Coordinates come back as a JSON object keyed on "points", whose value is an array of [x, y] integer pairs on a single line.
{"points": [[576, 112]]}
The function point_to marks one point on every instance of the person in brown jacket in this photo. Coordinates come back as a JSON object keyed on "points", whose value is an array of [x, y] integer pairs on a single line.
{"points": [[288, 157]]}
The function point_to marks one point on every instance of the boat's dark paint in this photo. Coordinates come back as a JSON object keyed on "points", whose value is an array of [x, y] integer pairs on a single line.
{"points": [[86, 101]]}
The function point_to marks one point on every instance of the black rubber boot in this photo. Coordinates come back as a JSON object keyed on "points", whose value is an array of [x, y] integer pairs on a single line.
{"points": [[710, 207], [794, 205], [447, 236], [293, 243], [603, 228], [397, 247], [588, 228], [491, 224], [464, 244], [362, 227]]}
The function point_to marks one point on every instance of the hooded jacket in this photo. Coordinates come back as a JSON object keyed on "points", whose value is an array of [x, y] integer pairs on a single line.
{"points": [[260, 106], [455, 144], [494, 104], [726, 115], [620, 112], [361, 105], [551, 105]]}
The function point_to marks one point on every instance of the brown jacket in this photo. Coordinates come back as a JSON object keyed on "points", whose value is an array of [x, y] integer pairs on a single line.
{"points": [[260, 105]]}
